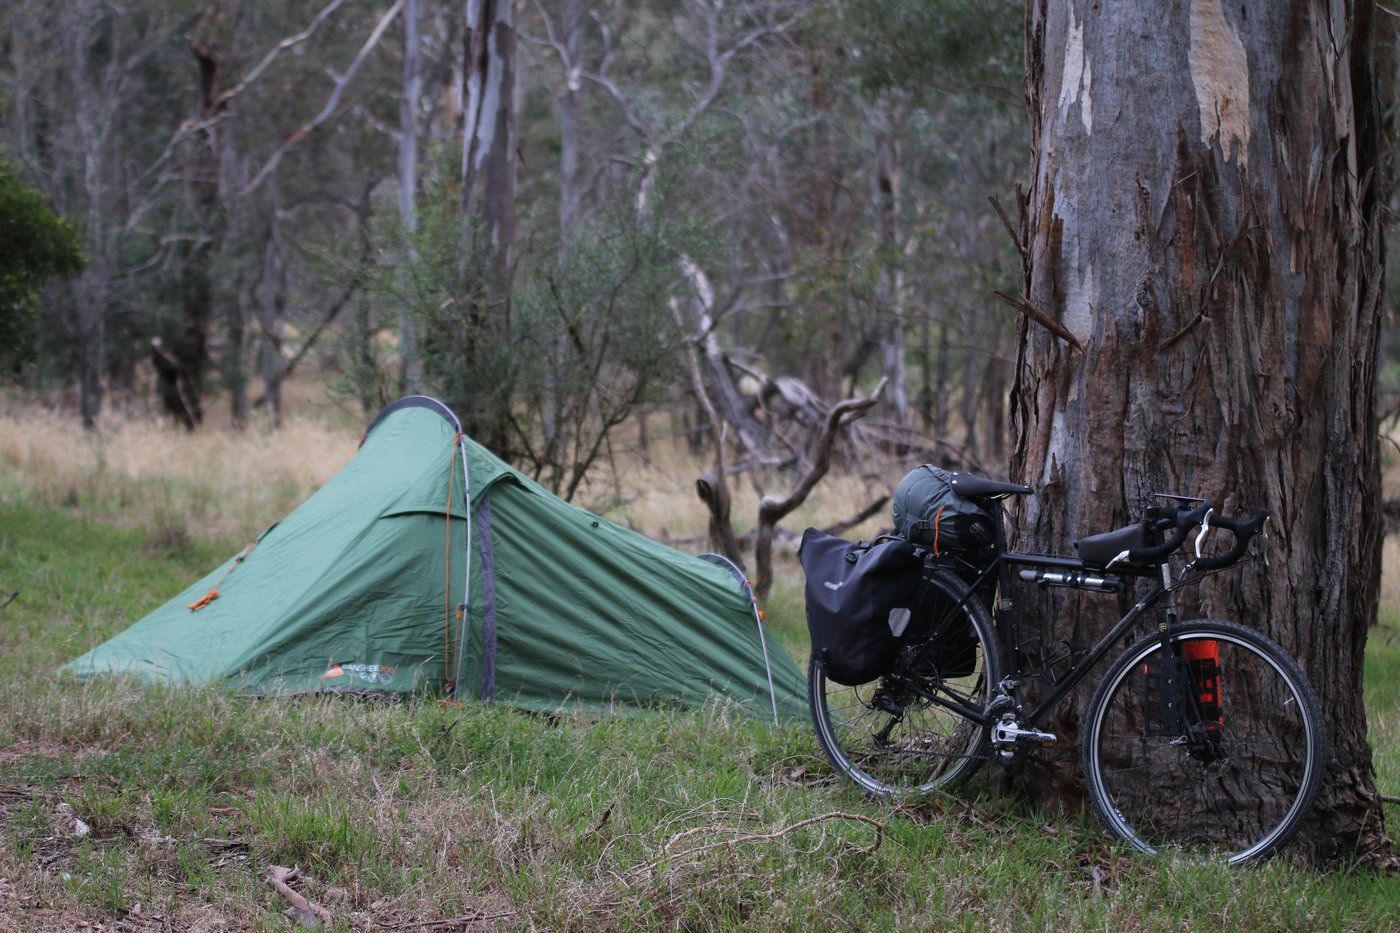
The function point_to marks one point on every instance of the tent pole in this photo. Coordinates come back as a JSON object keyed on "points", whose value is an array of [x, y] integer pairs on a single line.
{"points": [[767, 665], [467, 577]]}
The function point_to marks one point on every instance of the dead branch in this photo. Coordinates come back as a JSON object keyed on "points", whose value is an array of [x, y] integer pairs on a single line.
{"points": [[767, 837], [1041, 317], [771, 510], [854, 520], [287, 43], [838, 417], [717, 60], [461, 921], [305, 912], [11, 598], [331, 103], [1010, 230], [717, 490]]}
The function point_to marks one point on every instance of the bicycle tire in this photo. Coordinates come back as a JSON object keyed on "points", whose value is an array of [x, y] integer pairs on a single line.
{"points": [[1233, 773], [891, 741]]}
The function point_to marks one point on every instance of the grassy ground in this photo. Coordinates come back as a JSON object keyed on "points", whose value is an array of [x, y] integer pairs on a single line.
{"points": [[425, 817]]}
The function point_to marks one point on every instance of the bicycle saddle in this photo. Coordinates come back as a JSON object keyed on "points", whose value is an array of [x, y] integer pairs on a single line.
{"points": [[970, 486]]}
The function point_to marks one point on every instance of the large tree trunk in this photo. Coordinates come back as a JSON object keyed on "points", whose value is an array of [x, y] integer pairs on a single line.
{"points": [[1204, 219]]}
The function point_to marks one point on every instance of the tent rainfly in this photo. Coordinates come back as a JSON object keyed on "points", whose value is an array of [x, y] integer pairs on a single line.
{"points": [[362, 587]]}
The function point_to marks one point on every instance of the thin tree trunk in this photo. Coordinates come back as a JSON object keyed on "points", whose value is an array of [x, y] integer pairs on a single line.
{"points": [[488, 152], [1204, 219], [568, 121], [408, 184], [940, 388], [272, 315], [213, 30], [887, 185]]}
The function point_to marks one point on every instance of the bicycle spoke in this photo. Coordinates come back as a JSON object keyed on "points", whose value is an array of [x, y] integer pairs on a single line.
{"points": [[889, 736], [1232, 781]]}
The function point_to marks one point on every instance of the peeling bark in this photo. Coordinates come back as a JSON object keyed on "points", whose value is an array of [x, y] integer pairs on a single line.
{"points": [[488, 145], [1215, 245]]}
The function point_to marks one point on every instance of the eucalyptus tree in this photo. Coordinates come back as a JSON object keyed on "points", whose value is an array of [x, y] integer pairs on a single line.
{"points": [[1203, 236]]}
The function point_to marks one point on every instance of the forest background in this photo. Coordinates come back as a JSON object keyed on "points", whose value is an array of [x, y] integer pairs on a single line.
{"points": [[260, 189], [784, 200]]}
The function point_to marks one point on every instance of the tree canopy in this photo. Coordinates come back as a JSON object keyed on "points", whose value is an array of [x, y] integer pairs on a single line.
{"points": [[35, 245]]}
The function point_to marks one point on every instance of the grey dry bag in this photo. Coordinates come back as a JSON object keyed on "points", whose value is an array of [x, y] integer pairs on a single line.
{"points": [[929, 511]]}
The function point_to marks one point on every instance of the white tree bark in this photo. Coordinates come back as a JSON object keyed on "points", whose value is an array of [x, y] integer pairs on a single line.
{"points": [[407, 135]]}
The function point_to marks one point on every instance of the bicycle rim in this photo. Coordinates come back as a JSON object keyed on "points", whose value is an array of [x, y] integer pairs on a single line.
{"points": [[1231, 772], [890, 740]]}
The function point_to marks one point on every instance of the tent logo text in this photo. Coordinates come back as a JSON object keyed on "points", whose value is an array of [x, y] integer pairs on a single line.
{"points": [[369, 673]]}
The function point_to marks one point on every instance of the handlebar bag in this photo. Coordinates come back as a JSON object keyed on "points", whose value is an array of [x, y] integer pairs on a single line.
{"points": [[1099, 550], [860, 598], [929, 511]]}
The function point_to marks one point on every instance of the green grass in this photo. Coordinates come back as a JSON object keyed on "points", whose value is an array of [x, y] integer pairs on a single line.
{"points": [[412, 813]]}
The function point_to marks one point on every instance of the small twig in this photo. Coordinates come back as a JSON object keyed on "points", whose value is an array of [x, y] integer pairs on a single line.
{"points": [[850, 522], [332, 102], [603, 821], [1041, 317], [215, 844], [1386, 798], [13, 597], [463, 920], [1176, 337], [1010, 230], [20, 793], [767, 837]]}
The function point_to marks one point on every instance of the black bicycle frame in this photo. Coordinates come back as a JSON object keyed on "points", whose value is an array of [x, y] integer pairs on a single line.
{"points": [[1007, 620]]}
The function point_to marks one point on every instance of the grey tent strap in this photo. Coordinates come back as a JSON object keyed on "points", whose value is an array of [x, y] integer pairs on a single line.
{"points": [[488, 600], [747, 588]]}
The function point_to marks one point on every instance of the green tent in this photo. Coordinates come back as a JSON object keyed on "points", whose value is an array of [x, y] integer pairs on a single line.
{"points": [[361, 588]]}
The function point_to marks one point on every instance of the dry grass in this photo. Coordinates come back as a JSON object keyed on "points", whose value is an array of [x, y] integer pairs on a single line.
{"points": [[210, 484], [222, 484]]}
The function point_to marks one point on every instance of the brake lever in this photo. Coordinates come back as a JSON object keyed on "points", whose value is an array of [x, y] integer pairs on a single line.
{"points": [[1205, 529]]}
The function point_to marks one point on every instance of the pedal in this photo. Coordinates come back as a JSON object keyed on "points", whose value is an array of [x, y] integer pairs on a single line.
{"points": [[1009, 733]]}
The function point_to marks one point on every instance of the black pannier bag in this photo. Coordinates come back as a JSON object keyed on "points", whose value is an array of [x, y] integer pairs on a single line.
{"points": [[860, 599], [929, 511]]}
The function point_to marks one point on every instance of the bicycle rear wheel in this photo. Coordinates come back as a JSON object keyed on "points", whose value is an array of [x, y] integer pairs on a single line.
{"points": [[891, 737], [1218, 753]]}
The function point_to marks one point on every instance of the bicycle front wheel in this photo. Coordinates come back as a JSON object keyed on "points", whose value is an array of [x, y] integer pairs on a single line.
{"points": [[903, 734], [1214, 748]]}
